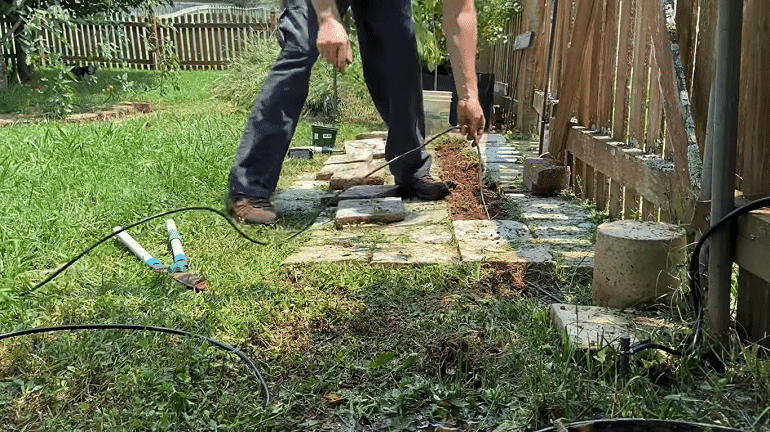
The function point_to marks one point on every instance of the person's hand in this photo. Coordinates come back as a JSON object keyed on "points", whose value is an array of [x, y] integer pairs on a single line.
{"points": [[470, 118], [333, 44]]}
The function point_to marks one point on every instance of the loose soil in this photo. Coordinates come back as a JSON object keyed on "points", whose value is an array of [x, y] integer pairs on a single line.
{"points": [[461, 172], [460, 169]]}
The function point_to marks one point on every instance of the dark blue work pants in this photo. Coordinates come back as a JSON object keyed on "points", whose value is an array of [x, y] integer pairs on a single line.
{"points": [[392, 71]]}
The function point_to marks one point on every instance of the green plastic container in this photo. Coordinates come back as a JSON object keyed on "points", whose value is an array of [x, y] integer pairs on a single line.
{"points": [[324, 136]]}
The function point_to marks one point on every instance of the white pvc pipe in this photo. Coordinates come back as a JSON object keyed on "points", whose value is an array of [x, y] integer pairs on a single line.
{"points": [[135, 247]]}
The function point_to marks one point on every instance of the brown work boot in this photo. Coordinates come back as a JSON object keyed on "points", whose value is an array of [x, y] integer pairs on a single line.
{"points": [[425, 188], [256, 211]]}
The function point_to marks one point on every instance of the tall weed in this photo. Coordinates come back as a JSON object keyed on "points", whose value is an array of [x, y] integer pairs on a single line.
{"points": [[246, 77]]}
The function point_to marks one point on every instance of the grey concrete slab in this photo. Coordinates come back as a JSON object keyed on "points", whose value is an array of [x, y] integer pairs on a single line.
{"points": [[329, 253], [329, 236], [507, 155], [346, 159], [424, 213], [408, 233], [300, 200], [500, 241], [358, 174], [581, 262], [350, 169], [368, 192], [364, 147], [591, 327], [416, 253], [557, 210], [506, 232], [376, 210]]}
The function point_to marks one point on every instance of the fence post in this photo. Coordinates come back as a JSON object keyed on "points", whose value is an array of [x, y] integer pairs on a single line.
{"points": [[273, 24], [156, 48]]}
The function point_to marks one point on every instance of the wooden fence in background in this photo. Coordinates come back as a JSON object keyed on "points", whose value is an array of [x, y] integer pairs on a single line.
{"points": [[628, 108], [617, 73], [642, 92], [200, 40]]}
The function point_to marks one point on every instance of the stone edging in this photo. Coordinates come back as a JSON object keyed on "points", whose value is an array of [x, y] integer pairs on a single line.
{"points": [[117, 111]]}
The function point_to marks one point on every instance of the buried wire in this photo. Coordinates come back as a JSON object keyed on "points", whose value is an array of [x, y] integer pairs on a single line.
{"points": [[116, 232], [218, 344], [481, 179], [325, 202]]}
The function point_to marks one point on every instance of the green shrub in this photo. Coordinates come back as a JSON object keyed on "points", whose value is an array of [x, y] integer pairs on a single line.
{"points": [[246, 76]]}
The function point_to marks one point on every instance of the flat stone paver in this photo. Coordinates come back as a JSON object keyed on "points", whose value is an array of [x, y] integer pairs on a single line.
{"points": [[368, 192], [338, 159], [553, 232], [499, 241], [416, 253], [423, 237], [374, 210], [374, 147], [591, 327], [329, 253], [305, 196]]}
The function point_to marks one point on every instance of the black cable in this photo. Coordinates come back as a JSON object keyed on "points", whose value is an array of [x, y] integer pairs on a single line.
{"points": [[147, 219], [696, 294], [412, 150], [647, 345], [114, 233], [218, 344]]}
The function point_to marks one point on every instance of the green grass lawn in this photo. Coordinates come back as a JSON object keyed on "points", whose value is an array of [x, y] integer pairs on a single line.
{"points": [[341, 346]]}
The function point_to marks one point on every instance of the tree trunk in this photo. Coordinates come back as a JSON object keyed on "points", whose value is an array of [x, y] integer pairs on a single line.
{"points": [[3, 73], [26, 73]]}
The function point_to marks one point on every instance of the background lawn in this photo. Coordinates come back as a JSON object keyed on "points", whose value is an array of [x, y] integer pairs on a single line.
{"points": [[342, 346]]}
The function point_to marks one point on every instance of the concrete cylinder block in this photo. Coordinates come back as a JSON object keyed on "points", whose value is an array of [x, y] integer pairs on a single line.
{"points": [[637, 262]]}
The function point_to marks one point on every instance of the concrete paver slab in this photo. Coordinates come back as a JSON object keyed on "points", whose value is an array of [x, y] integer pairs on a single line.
{"points": [[376, 210], [597, 327], [374, 147], [429, 234], [581, 262], [369, 192], [311, 184], [329, 253], [416, 253], [300, 200], [338, 159], [499, 241], [358, 174]]}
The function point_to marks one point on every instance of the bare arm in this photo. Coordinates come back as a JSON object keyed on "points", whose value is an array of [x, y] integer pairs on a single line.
{"points": [[460, 31], [333, 45]]}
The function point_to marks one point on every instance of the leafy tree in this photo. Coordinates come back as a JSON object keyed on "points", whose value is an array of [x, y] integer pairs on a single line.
{"points": [[492, 17], [54, 15]]}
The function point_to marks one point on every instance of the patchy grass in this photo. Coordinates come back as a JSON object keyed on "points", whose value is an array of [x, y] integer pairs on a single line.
{"points": [[342, 346]]}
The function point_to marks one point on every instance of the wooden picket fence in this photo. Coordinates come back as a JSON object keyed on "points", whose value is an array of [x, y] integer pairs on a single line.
{"points": [[200, 40], [617, 71]]}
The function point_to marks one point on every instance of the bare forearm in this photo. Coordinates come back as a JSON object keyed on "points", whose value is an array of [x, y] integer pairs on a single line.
{"points": [[460, 32], [325, 9]]}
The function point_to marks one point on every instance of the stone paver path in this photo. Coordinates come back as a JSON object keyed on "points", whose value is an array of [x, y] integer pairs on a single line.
{"points": [[367, 223]]}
